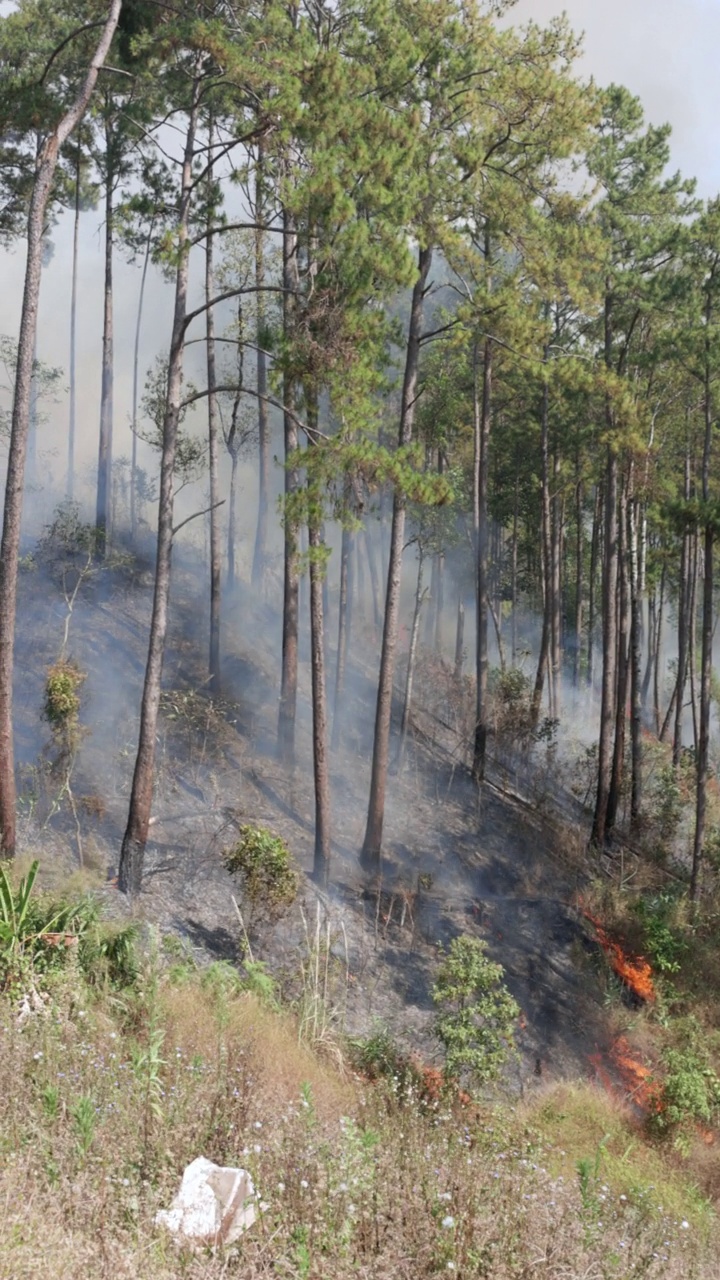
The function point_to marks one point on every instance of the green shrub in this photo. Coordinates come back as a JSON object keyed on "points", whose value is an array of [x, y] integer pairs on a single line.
{"points": [[662, 943], [477, 1012], [264, 864]]}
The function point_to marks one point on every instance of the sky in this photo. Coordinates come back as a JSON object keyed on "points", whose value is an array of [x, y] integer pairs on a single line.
{"points": [[665, 51]]}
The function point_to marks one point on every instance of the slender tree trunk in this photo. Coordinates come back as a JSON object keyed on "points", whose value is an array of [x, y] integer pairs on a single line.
{"points": [[321, 861], [482, 449], [346, 591], [684, 593], [132, 853], [420, 594], [70, 481], [46, 163], [260, 553], [136, 374], [623, 671], [608, 704], [579, 551], [635, 665], [460, 641], [594, 553], [213, 442], [556, 537], [372, 843], [513, 575], [545, 656], [658, 651], [291, 581], [703, 746], [692, 637], [374, 581], [104, 476]]}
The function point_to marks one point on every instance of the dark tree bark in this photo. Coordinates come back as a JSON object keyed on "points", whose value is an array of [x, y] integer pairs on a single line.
{"points": [[372, 843], [556, 539], [132, 853], [45, 166], [514, 576]]}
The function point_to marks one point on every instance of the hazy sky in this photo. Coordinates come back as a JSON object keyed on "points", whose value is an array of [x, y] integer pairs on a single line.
{"points": [[666, 51]]}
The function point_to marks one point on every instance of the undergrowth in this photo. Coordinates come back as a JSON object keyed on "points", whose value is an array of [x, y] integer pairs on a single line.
{"points": [[113, 1086]]}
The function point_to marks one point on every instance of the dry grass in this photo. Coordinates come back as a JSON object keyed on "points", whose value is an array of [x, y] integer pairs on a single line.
{"points": [[108, 1097]]}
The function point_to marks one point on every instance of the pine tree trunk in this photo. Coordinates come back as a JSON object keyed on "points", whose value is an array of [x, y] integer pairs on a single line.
{"points": [[15, 476], [260, 553], [321, 861], [623, 672], [579, 551], [556, 534], [460, 641], [372, 843], [684, 592], [703, 746], [291, 581], [545, 655], [70, 481], [594, 551], [692, 637], [514, 575], [132, 853], [420, 594], [344, 605], [104, 475], [635, 665], [482, 449], [136, 379], [213, 447], [658, 651], [374, 581], [608, 704]]}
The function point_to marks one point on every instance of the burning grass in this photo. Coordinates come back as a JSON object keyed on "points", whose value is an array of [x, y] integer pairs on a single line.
{"points": [[109, 1096], [634, 971]]}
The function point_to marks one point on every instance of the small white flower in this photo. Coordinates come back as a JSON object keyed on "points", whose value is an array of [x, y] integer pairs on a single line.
{"points": [[257, 1148], [303, 1182], [281, 1186], [37, 1056], [684, 1225], [258, 1124], [448, 1221], [82, 1013]]}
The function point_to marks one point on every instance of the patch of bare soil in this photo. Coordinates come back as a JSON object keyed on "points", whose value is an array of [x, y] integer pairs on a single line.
{"points": [[453, 863]]}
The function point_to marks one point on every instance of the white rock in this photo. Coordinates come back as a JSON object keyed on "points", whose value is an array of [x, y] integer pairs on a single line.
{"points": [[213, 1206]]}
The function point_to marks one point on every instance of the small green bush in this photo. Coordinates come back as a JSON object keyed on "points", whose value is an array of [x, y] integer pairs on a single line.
{"points": [[264, 863], [477, 1012]]}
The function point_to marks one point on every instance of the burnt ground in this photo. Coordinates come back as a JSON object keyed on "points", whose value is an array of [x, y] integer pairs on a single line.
{"points": [[503, 868]]}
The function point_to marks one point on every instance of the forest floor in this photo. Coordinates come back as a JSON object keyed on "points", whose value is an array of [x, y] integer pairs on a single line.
{"points": [[497, 867]]}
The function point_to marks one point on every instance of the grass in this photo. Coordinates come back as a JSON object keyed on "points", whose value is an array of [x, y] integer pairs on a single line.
{"points": [[110, 1093]]}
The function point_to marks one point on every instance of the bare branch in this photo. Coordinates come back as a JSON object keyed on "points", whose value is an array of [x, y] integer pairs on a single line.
{"points": [[196, 515]]}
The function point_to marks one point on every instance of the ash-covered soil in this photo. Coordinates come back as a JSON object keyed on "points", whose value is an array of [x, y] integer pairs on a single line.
{"points": [[492, 866]]}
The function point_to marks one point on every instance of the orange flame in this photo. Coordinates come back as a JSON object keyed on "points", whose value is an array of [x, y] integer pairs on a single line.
{"points": [[635, 972], [632, 1077]]}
